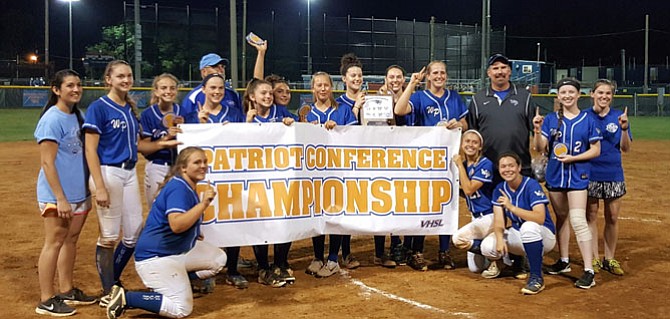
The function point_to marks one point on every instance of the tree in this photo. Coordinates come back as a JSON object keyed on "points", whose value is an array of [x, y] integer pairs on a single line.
{"points": [[165, 52]]}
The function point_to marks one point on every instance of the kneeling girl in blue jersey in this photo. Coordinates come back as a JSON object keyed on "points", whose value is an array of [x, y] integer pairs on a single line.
{"points": [[521, 200], [476, 178], [170, 250]]}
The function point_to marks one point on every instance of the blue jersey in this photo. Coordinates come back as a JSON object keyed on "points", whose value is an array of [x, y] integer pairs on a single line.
{"points": [[343, 100], [528, 195], [157, 238], [341, 115], [118, 129], [294, 116], [63, 129], [607, 167], [574, 137], [190, 104], [430, 110], [479, 203], [153, 127], [227, 113], [276, 114]]}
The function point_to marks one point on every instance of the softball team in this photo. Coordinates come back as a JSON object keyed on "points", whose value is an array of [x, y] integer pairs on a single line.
{"points": [[62, 196], [607, 179], [434, 106], [571, 138], [169, 250]]}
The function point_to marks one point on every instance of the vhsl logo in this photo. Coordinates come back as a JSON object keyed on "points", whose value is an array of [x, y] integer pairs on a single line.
{"points": [[433, 223]]}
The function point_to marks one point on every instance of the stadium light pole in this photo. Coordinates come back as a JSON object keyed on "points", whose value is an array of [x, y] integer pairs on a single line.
{"points": [[69, 4], [309, 41]]}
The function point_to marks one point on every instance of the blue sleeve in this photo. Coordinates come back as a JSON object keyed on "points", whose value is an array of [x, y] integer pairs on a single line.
{"points": [[177, 198], [94, 118], [415, 101], [535, 194], [547, 125], [484, 171], [145, 123], [462, 108], [187, 105], [348, 115], [47, 129], [496, 193]]}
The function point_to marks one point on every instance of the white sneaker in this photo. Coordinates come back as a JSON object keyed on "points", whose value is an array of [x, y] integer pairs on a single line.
{"points": [[331, 268], [492, 272], [314, 267]]}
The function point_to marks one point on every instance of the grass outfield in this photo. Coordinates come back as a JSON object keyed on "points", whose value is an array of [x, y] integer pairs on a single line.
{"points": [[19, 125]]}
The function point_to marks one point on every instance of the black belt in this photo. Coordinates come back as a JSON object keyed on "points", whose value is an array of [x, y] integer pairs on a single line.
{"points": [[161, 162], [127, 165]]}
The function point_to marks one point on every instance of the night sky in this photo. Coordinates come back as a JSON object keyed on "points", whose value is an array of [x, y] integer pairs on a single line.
{"points": [[565, 31]]}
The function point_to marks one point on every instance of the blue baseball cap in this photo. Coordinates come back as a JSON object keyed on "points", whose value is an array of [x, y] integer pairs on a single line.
{"points": [[498, 57], [211, 59]]}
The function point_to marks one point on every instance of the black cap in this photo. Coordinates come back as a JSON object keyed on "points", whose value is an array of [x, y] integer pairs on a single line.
{"points": [[498, 57]]}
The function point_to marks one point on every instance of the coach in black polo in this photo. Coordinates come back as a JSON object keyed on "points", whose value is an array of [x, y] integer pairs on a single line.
{"points": [[503, 114]]}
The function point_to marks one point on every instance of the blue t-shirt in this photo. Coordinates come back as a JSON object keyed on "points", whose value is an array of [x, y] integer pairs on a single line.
{"points": [[190, 103], [501, 95], [152, 124], [479, 203], [157, 238], [343, 100], [63, 129], [118, 129], [607, 167], [527, 195], [341, 115], [276, 114], [294, 116], [574, 137], [430, 110]]}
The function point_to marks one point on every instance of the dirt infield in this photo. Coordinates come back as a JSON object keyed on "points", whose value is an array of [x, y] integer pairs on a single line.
{"points": [[373, 292]]}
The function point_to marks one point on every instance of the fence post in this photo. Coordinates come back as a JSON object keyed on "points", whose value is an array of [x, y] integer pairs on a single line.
{"points": [[635, 104]]}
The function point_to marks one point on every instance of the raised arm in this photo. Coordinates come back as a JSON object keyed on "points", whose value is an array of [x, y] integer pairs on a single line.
{"points": [[259, 67], [402, 107]]}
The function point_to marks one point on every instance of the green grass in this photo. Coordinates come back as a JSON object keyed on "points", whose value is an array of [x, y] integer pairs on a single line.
{"points": [[650, 128], [19, 125]]}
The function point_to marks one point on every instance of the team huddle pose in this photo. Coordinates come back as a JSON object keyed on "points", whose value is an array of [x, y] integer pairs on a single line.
{"points": [[510, 219]]}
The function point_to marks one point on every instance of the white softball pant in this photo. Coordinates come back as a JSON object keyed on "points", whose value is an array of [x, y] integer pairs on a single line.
{"points": [[478, 228], [169, 276], [154, 174], [125, 207], [529, 232]]}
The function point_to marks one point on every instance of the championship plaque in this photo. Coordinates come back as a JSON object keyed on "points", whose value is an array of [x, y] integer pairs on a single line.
{"points": [[377, 110]]}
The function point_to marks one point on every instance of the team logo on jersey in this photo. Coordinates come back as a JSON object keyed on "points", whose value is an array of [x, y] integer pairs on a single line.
{"points": [[612, 127], [555, 133], [118, 123], [486, 173], [514, 102], [539, 193], [434, 111]]}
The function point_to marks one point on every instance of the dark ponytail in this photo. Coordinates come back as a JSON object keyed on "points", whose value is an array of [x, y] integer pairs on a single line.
{"points": [[57, 81]]}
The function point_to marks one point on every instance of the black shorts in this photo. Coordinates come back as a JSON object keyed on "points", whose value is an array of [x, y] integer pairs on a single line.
{"points": [[607, 190], [561, 189]]}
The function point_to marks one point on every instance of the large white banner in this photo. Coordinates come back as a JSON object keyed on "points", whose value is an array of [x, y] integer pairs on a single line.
{"points": [[278, 183]]}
